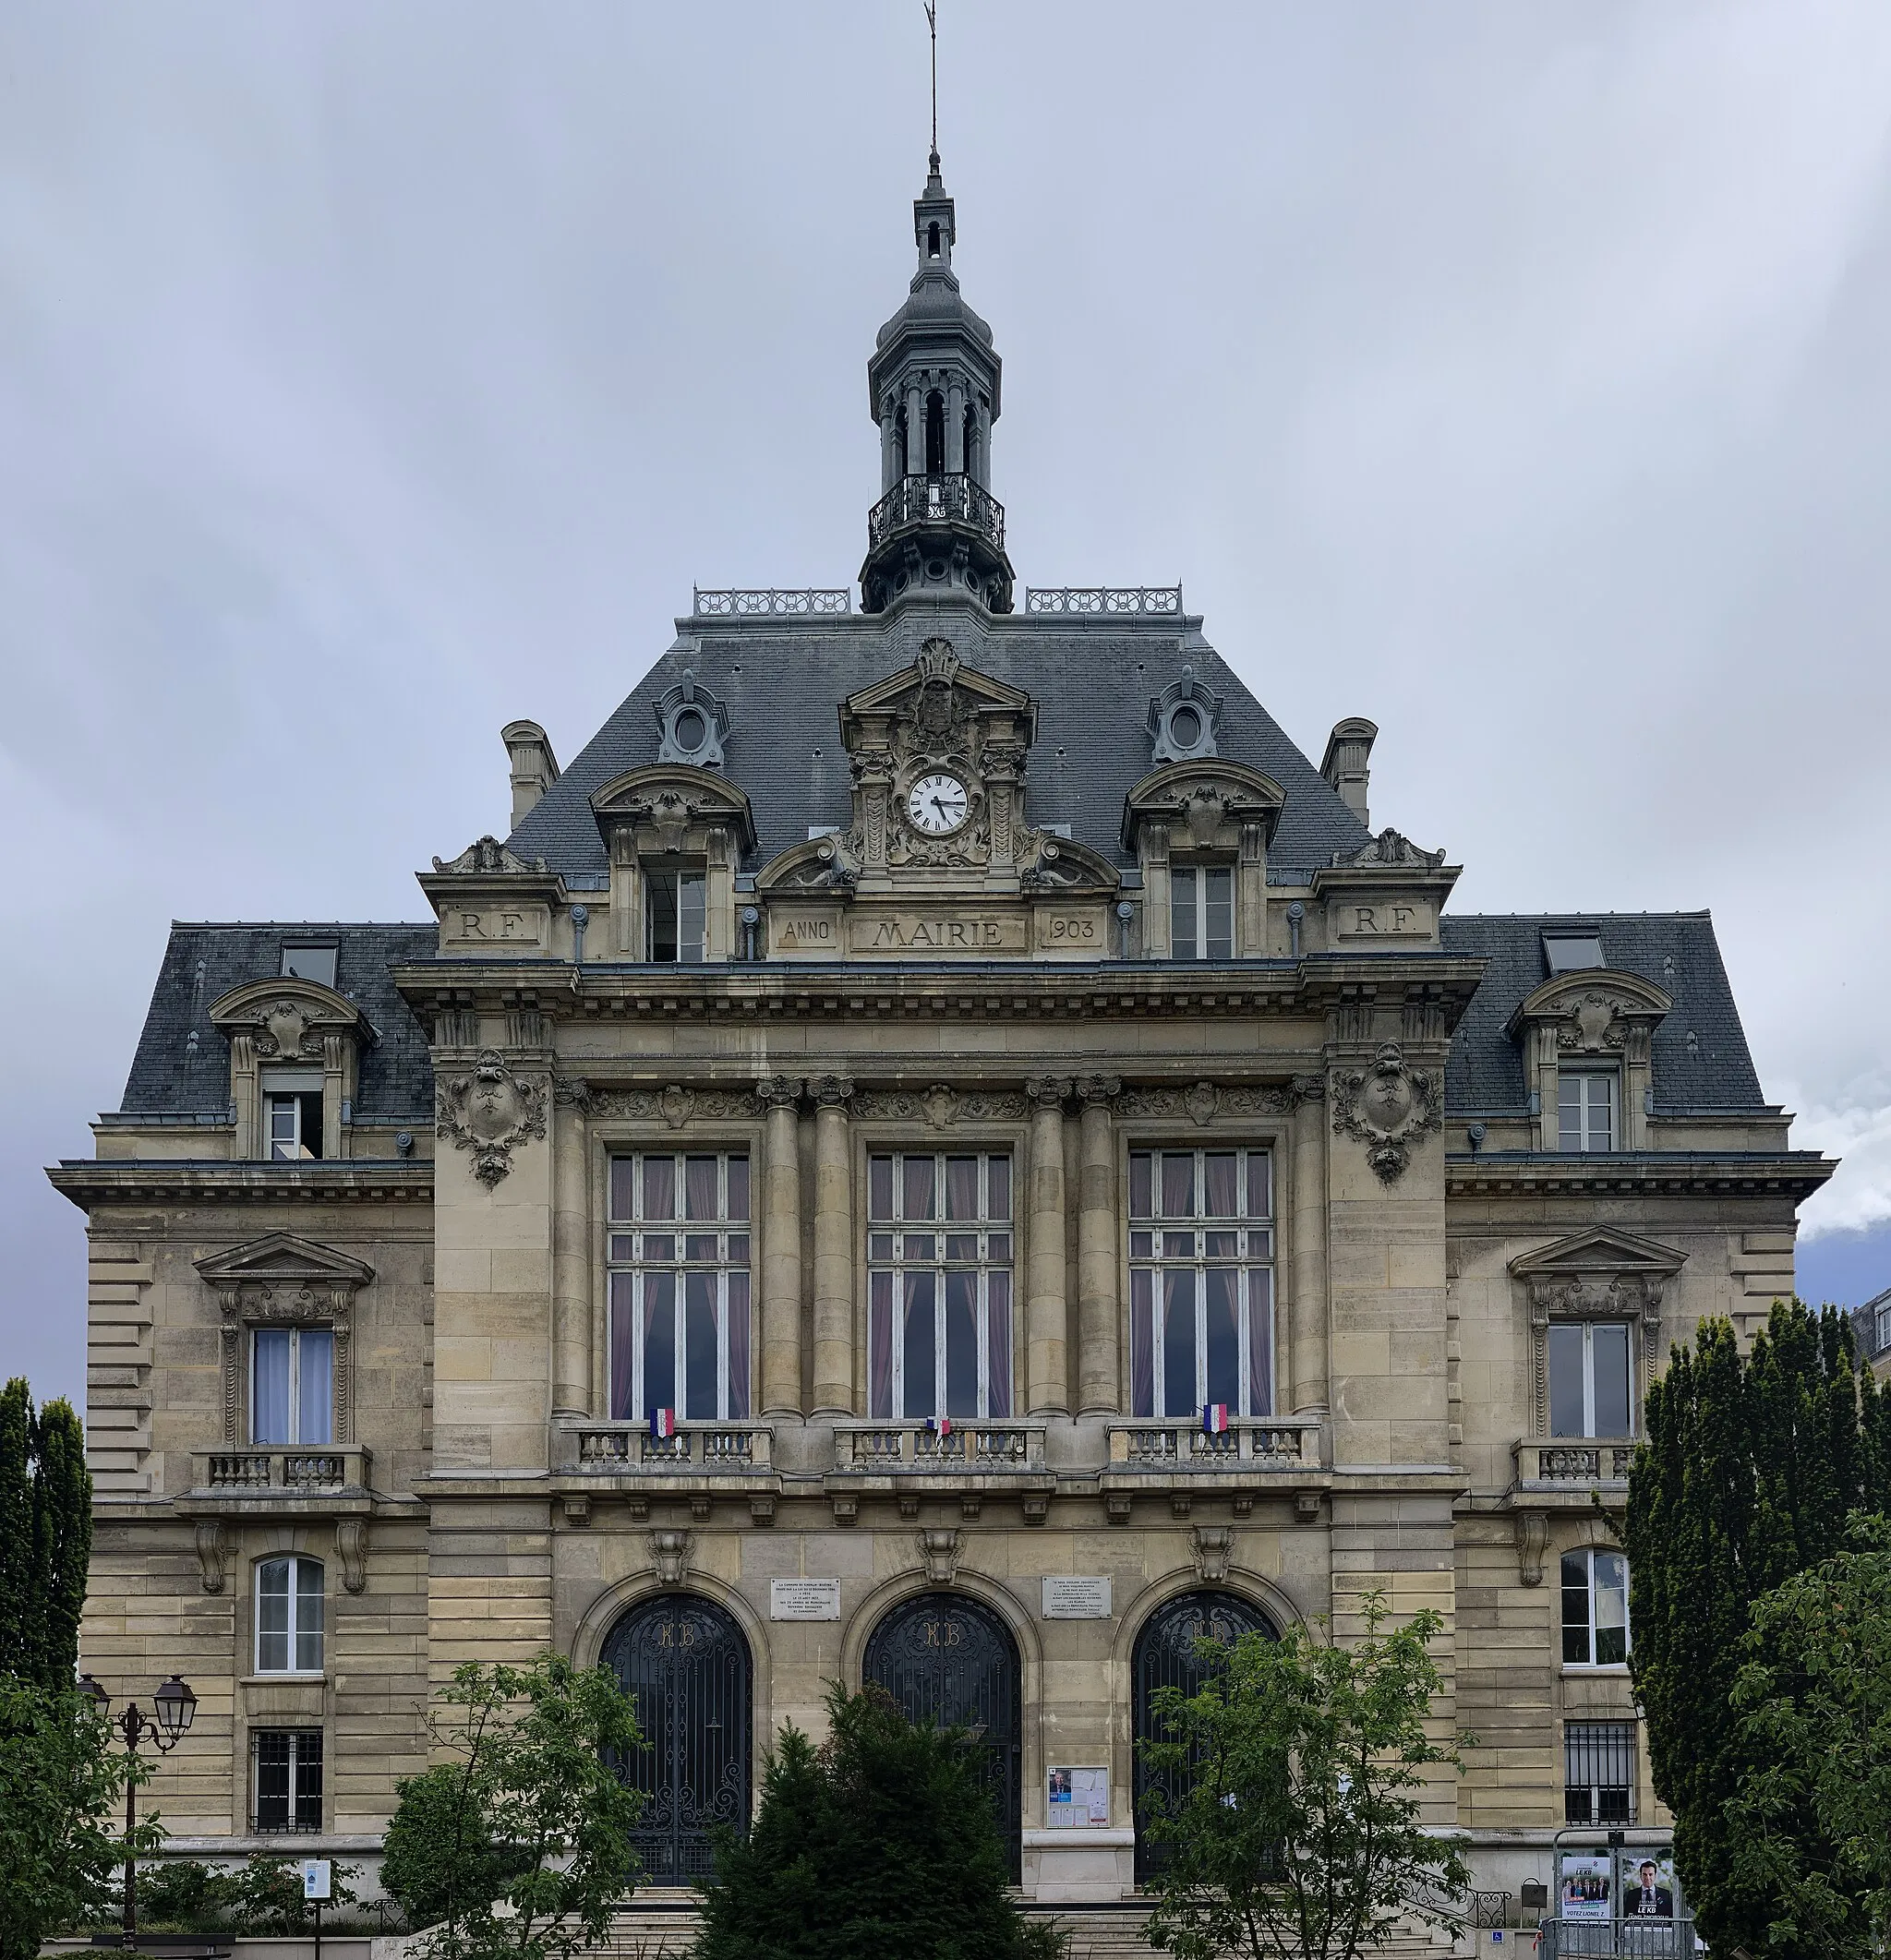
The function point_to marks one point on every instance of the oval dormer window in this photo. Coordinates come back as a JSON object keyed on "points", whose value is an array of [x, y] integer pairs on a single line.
{"points": [[690, 730], [1185, 727]]}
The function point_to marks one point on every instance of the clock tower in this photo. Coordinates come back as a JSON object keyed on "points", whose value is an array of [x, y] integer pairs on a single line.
{"points": [[933, 387]]}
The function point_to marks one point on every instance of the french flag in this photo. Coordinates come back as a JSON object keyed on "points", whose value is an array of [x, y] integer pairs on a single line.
{"points": [[1214, 1418], [662, 1422], [939, 1424]]}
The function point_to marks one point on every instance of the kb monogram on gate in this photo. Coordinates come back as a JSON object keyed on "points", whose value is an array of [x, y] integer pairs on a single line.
{"points": [[952, 1634], [668, 1634]]}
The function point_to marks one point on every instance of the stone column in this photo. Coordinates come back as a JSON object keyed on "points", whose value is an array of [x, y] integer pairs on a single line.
{"points": [[252, 1139], [915, 430], [781, 1246], [833, 1369], [1307, 1308], [954, 427], [571, 1255], [1046, 1364], [889, 449], [1099, 1362]]}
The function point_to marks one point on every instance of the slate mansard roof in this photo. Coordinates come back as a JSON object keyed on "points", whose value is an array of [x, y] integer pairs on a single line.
{"points": [[1701, 1060], [783, 689], [173, 1075]]}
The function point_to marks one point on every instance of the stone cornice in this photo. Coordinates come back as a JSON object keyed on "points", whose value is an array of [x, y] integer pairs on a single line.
{"points": [[134, 1181], [1011, 990], [1794, 1175]]}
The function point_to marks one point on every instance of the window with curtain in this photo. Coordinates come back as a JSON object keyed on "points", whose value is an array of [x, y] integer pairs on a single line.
{"points": [[1201, 911], [1594, 1609], [1591, 1379], [1201, 1281], [679, 1257], [939, 1266], [292, 1385], [289, 1615]]}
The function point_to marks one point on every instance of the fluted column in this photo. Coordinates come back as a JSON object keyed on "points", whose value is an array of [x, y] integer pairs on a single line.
{"points": [[781, 1246], [954, 427], [1307, 1341], [571, 1255], [1099, 1358], [834, 1369], [915, 430], [1046, 1363]]}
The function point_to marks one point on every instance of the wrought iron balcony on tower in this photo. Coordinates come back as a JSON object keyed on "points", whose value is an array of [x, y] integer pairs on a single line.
{"points": [[917, 501]]}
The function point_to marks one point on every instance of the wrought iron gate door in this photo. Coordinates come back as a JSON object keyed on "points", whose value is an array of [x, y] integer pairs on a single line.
{"points": [[949, 1660], [687, 1664], [1167, 1657]]}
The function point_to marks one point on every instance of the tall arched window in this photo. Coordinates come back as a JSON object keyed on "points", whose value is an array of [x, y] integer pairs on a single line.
{"points": [[289, 1615], [1168, 1655], [935, 434], [933, 239]]}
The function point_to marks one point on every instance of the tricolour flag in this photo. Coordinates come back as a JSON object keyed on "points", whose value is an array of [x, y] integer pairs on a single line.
{"points": [[662, 1422], [1214, 1418], [939, 1424]]}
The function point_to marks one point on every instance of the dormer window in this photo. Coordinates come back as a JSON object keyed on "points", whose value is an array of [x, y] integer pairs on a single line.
{"points": [[309, 963], [694, 724], [292, 1113], [675, 915], [1572, 951], [1201, 911]]}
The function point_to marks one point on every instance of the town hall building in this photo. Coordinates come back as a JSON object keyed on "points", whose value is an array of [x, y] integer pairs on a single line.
{"points": [[940, 1149]]}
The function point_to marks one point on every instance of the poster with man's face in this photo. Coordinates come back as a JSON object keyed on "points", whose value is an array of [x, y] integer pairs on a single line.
{"points": [[1585, 1891], [1648, 1889]]}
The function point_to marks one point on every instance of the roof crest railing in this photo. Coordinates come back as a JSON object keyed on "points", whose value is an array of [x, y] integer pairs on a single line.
{"points": [[744, 602], [1091, 601]]}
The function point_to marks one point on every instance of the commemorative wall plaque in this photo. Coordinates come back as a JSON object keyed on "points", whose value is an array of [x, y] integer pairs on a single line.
{"points": [[1070, 1598]]}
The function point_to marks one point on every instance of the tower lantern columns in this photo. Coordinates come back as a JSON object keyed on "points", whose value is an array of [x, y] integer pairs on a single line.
{"points": [[955, 426]]}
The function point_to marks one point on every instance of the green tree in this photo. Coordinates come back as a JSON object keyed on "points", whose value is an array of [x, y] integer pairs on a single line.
{"points": [[265, 1895], [1814, 1700], [1296, 1835], [60, 1785], [880, 1842], [528, 1747], [45, 1538], [1750, 1468]]}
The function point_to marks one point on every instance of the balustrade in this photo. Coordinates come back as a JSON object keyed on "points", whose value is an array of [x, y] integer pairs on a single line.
{"points": [[1286, 1443], [1571, 1461], [262, 1471], [694, 1449], [915, 500], [977, 1447]]}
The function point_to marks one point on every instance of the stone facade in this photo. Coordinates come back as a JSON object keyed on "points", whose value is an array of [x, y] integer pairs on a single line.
{"points": [[934, 1103]]}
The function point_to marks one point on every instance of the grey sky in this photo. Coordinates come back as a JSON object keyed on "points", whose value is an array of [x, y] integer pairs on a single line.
{"points": [[373, 374]]}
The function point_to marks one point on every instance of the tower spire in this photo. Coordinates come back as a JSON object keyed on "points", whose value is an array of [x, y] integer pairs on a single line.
{"points": [[932, 7]]}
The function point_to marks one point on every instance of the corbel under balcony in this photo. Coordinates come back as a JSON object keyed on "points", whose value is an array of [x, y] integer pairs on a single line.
{"points": [[317, 1483]]}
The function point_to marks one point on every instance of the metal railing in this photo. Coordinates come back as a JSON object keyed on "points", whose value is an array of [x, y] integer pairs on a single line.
{"points": [[1572, 1460], [1636, 1939], [741, 602], [694, 1448], [1257, 1442], [280, 1470], [991, 1444], [935, 500], [1094, 599]]}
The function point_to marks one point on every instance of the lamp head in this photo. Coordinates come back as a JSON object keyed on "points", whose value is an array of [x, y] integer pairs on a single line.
{"points": [[100, 1700], [176, 1705]]}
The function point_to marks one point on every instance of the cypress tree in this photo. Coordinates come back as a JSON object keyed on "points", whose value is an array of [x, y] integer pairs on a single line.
{"points": [[1746, 1476], [45, 1538]]}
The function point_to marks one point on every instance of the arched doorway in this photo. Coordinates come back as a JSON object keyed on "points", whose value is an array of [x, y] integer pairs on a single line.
{"points": [[949, 1660], [686, 1662], [1166, 1656]]}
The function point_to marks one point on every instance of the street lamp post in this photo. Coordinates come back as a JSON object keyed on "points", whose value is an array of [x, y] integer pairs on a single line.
{"points": [[174, 1705]]}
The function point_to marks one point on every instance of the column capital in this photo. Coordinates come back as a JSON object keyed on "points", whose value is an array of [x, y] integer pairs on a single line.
{"points": [[778, 1092], [1306, 1088], [1098, 1091], [832, 1091], [1049, 1092], [572, 1092]]}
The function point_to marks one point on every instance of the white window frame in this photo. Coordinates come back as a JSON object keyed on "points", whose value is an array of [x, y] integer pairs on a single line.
{"points": [[294, 1441], [297, 1631], [1254, 1251], [1197, 901], [1588, 1328], [1587, 1115], [1586, 1557], [685, 875], [298, 1741], [633, 1262], [887, 1258]]}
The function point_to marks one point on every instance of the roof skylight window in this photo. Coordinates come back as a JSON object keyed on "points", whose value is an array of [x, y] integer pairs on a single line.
{"points": [[1572, 951], [309, 963]]}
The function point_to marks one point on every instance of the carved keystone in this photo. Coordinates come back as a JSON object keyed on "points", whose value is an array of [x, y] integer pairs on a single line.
{"points": [[1212, 1544], [672, 1552], [939, 1551]]}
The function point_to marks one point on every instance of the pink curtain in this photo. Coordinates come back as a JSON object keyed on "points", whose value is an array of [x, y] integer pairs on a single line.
{"points": [[880, 1348], [1142, 1356], [738, 1346], [1260, 1195], [659, 1187], [999, 1176], [1261, 1341], [699, 1187], [739, 1188], [998, 1341], [1221, 1183], [621, 1349]]}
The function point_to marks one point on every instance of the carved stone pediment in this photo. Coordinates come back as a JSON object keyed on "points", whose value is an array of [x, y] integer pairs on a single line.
{"points": [[1202, 804], [490, 857], [289, 1020], [1388, 1107], [488, 1109], [669, 807], [281, 1277], [1390, 847], [1598, 1011], [1601, 1272]]}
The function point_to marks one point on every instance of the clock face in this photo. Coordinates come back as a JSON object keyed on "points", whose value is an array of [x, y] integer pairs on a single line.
{"points": [[936, 804]]}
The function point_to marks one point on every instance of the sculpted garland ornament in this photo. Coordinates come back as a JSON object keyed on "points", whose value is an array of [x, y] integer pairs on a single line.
{"points": [[1389, 1108], [489, 1109]]}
